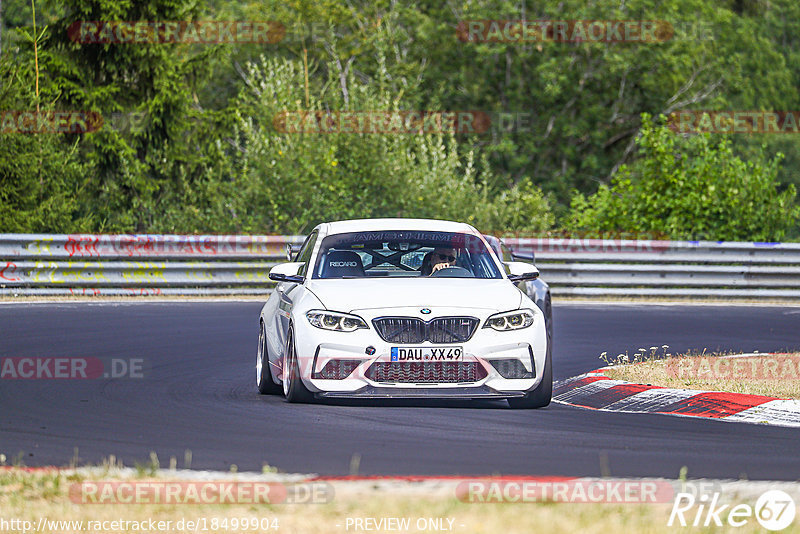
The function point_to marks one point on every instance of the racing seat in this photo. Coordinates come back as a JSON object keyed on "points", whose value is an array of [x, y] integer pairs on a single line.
{"points": [[339, 263]]}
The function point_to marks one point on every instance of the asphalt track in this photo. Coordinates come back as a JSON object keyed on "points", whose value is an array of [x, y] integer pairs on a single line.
{"points": [[198, 393]]}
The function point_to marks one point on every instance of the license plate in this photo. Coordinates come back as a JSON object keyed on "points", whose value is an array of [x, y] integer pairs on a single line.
{"points": [[427, 354]]}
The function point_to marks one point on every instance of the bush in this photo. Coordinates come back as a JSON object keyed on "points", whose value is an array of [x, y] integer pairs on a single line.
{"points": [[291, 181], [689, 188]]}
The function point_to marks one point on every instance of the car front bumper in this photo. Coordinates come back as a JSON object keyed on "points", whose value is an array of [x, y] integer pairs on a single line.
{"points": [[316, 348]]}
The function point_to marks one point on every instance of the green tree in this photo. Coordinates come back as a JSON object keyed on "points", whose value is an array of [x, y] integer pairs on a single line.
{"points": [[42, 176], [135, 173], [689, 188], [193, 166], [289, 182]]}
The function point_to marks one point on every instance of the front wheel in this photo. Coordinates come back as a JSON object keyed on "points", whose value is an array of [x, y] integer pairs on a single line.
{"points": [[266, 386], [543, 394], [293, 387]]}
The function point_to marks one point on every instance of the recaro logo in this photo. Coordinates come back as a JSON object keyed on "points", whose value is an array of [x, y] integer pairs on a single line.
{"points": [[343, 264]]}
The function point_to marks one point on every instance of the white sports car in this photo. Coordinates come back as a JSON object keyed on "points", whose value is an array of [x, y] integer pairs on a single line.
{"points": [[402, 308]]}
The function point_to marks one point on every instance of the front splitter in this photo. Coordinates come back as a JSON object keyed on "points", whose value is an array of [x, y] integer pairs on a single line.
{"points": [[373, 392]]}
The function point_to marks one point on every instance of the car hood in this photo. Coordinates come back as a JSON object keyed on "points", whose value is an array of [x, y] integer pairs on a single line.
{"points": [[349, 295]]}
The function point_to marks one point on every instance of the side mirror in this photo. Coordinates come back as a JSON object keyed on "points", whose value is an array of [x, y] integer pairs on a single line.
{"points": [[520, 272], [287, 272]]}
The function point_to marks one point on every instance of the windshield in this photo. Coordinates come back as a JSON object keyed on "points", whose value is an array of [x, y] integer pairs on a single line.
{"points": [[410, 254]]}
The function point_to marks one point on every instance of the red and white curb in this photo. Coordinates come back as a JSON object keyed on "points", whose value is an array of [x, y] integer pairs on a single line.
{"points": [[596, 391]]}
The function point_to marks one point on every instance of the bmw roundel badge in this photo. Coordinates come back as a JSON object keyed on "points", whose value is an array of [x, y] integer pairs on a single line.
{"points": [[426, 311]]}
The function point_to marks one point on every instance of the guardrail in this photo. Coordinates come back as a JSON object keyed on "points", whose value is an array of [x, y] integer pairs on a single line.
{"points": [[83, 264], [612, 267], [32, 264]]}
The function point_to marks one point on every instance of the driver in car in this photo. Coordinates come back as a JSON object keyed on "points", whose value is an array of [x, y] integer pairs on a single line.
{"points": [[442, 258]]}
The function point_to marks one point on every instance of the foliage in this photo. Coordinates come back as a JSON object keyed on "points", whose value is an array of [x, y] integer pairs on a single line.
{"points": [[135, 170], [203, 159], [291, 181], [42, 176], [690, 188]]}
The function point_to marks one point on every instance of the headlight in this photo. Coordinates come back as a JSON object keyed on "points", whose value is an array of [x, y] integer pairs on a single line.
{"points": [[511, 320], [341, 322]]}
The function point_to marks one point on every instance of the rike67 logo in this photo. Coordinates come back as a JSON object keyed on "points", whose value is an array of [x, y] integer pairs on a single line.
{"points": [[774, 510]]}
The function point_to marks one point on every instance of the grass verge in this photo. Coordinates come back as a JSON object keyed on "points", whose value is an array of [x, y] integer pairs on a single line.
{"points": [[31, 495], [772, 375]]}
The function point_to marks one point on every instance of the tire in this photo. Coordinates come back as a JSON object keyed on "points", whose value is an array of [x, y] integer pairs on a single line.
{"points": [[543, 394], [548, 317], [293, 387], [266, 385]]}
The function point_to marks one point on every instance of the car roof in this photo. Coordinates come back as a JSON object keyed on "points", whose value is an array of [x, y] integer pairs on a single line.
{"points": [[362, 225]]}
